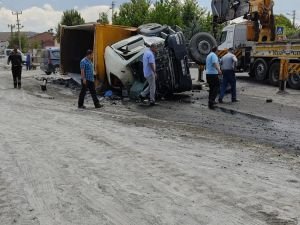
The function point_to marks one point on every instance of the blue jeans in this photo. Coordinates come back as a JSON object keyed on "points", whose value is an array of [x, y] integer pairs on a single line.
{"points": [[228, 78]]}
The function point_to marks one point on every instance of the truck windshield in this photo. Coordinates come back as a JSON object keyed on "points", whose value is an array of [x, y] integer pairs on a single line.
{"points": [[223, 37]]}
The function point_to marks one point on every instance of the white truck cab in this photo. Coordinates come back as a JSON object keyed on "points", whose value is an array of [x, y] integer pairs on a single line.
{"points": [[233, 36]]}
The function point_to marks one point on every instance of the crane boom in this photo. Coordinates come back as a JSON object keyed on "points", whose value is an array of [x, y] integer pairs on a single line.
{"points": [[259, 13]]}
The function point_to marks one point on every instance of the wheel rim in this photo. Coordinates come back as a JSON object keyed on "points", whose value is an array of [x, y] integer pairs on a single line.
{"points": [[204, 47], [295, 79], [275, 75], [260, 71]]}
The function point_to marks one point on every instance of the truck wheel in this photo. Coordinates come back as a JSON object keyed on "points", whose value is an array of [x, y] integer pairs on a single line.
{"points": [[200, 46], [274, 73], [294, 81], [260, 69]]}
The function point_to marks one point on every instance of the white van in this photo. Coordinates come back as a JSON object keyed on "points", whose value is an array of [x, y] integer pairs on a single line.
{"points": [[8, 51]]}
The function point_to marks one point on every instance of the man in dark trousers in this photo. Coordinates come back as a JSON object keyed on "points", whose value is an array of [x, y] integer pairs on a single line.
{"points": [[87, 80], [228, 62], [212, 76], [16, 67]]}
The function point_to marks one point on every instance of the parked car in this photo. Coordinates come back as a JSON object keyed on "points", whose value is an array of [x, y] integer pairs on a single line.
{"points": [[50, 60]]}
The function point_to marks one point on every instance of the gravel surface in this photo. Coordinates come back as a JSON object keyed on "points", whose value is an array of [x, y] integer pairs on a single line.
{"points": [[177, 163]]}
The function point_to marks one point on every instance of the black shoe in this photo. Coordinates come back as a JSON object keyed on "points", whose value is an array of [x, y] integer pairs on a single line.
{"points": [[211, 106], [214, 103], [142, 98], [82, 107], [235, 100], [221, 101], [98, 106], [152, 103]]}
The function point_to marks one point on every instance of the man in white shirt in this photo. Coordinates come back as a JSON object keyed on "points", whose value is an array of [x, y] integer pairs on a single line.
{"points": [[149, 68], [228, 62]]}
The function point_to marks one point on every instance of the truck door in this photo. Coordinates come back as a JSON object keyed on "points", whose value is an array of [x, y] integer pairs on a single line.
{"points": [[229, 39]]}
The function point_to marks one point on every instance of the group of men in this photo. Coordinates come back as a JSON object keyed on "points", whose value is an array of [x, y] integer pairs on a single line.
{"points": [[220, 70], [215, 69]]}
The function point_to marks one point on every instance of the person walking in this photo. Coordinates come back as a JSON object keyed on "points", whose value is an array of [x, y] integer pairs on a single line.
{"points": [[212, 76], [15, 59], [228, 62], [28, 61], [149, 68], [87, 80]]}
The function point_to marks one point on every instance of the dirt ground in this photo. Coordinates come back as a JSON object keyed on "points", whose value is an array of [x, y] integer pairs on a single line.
{"points": [[124, 164]]}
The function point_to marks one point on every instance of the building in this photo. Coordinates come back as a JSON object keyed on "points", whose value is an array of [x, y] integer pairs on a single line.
{"points": [[42, 40]]}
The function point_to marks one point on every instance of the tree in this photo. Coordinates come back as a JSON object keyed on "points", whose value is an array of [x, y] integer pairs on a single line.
{"points": [[69, 18], [133, 13], [103, 18], [166, 12], [36, 45], [14, 41], [195, 18], [281, 20]]}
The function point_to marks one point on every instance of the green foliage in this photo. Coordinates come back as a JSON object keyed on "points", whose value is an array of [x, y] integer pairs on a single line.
{"points": [[103, 18], [69, 18], [166, 12], [14, 41], [133, 13], [188, 15], [281, 20], [36, 45], [195, 18]]}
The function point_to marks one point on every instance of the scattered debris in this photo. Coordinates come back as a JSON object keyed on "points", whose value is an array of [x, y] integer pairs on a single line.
{"points": [[269, 100], [44, 85]]}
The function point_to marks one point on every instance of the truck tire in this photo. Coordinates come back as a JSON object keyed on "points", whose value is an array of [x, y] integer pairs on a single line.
{"points": [[294, 81], [260, 69], [274, 73], [200, 46]]}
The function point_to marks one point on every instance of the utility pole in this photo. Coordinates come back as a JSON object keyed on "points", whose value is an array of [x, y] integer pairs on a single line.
{"points": [[12, 27], [19, 27], [294, 18], [112, 10]]}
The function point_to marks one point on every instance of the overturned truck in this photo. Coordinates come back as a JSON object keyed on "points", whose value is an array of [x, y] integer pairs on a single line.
{"points": [[118, 53]]}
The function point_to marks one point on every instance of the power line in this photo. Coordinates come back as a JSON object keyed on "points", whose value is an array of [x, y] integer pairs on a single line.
{"points": [[19, 26]]}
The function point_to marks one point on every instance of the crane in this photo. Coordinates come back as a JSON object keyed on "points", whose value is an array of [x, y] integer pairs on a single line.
{"points": [[258, 13]]}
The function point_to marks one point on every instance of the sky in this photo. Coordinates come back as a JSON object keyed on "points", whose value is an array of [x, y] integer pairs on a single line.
{"points": [[42, 15]]}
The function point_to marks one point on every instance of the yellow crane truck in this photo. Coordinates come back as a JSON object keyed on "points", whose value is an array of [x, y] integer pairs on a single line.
{"points": [[255, 41]]}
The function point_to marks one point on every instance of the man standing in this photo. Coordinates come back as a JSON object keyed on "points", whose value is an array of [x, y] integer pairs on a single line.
{"points": [[228, 62], [212, 72], [28, 61], [16, 67], [87, 80], [149, 68]]}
